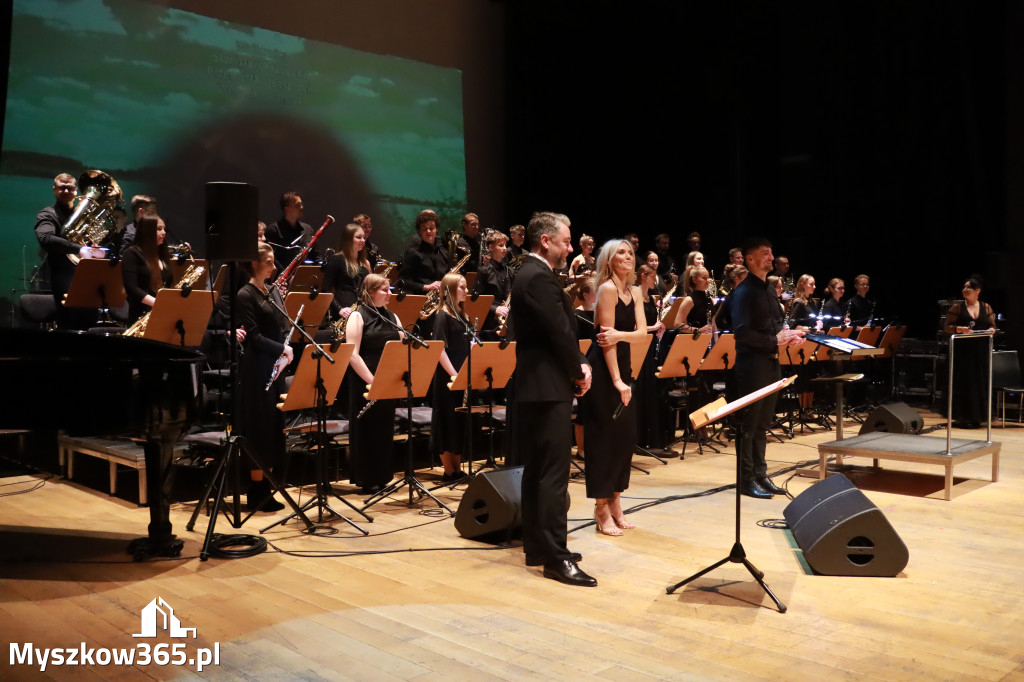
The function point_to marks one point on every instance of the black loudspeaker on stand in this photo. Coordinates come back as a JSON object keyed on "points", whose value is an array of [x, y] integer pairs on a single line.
{"points": [[842, 532], [491, 507], [231, 216], [893, 418]]}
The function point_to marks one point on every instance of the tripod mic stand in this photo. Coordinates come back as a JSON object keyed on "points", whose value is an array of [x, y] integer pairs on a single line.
{"points": [[710, 413], [308, 385]]}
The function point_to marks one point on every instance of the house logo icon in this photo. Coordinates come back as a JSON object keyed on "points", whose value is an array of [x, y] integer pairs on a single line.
{"points": [[158, 615]]}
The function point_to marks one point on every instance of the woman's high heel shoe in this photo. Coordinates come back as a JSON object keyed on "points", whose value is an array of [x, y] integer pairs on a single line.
{"points": [[612, 530], [622, 523]]}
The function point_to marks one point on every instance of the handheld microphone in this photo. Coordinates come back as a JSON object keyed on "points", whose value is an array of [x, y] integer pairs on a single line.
{"points": [[617, 412]]}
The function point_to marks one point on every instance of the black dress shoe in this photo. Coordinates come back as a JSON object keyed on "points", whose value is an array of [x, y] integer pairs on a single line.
{"points": [[533, 561], [569, 573], [769, 486], [753, 489]]}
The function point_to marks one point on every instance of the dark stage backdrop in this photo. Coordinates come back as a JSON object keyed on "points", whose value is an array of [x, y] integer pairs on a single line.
{"points": [[356, 108], [857, 136]]}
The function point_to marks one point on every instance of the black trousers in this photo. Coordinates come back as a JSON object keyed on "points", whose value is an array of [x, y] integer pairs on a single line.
{"points": [[754, 371], [543, 442]]}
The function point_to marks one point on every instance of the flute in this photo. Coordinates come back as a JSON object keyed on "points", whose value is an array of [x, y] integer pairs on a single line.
{"points": [[282, 361]]}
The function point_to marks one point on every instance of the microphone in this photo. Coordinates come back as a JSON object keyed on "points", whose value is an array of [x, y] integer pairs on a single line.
{"points": [[401, 289], [617, 412]]}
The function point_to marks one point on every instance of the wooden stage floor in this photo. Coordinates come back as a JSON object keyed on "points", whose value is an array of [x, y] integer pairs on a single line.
{"points": [[414, 601]]}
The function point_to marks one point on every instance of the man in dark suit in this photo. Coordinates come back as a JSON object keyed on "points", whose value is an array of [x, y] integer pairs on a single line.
{"points": [[549, 369]]}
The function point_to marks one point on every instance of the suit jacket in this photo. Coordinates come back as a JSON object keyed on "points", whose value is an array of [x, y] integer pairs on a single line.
{"points": [[548, 357]]}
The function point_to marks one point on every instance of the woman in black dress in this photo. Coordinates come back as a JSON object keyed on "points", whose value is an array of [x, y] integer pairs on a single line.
{"points": [[265, 346], [610, 438], [346, 269], [448, 427], [144, 267], [694, 313], [584, 312], [801, 315], [372, 434], [583, 264], [494, 279], [833, 313], [970, 358], [652, 406]]}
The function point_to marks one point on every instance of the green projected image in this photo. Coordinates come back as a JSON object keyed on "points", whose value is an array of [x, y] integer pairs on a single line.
{"points": [[166, 101]]}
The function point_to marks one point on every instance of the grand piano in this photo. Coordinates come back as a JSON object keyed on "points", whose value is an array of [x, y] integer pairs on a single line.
{"points": [[97, 385]]}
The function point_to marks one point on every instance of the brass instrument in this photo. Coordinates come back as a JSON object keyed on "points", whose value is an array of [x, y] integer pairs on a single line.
{"points": [[384, 267], [180, 252], [92, 219], [503, 319], [434, 301], [712, 287], [339, 327], [191, 275], [664, 300]]}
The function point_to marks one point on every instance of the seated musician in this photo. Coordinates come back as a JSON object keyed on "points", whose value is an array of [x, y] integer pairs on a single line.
{"points": [[517, 234], [345, 270], [373, 254], [494, 279], [732, 276], [833, 312], [425, 261], [144, 265], [861, 310], [470, 239], [583, 264], [289, 234], [661, 285], [801, 313]]}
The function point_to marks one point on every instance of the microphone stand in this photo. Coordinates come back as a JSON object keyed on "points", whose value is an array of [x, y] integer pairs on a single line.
{"points": [[469, 331], [323, 486]]}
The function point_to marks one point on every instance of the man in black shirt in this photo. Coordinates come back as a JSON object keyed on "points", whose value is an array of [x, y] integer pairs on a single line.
{"points": [[289, 234], [470, 239], [757, 324]]}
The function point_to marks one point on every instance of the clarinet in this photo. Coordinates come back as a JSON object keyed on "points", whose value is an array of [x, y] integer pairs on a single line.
{"points": [[821, 312]]}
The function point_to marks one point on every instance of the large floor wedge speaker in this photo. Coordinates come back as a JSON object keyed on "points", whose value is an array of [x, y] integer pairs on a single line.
{"points": [[491, 505], [893, 418], [842, 532]]}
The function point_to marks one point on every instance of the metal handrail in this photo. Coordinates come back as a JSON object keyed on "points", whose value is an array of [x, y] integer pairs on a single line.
{"points": [[949, 392]]}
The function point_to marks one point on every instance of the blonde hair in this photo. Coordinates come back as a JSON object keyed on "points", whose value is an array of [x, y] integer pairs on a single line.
{"points": [[371, 283], [604, 262], [688, 275], [449, 287]]}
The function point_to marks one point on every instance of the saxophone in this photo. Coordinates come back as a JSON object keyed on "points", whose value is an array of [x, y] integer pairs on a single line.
{"points": [[665, 308], [188, 278], [433, 303], [339, 327], [712, 287], [503, 319]]}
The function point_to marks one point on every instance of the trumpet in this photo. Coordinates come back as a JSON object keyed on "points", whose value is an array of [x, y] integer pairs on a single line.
{"points": [[433, 303], [188, 278]]}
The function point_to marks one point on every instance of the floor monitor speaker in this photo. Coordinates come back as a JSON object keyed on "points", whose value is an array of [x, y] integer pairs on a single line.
{"points": [[841, 532], [492, 505], [893, 418]]}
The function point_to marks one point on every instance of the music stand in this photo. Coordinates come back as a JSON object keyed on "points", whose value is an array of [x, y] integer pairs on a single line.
{"points": [[799, 356], [673, 311], [470, 283], [305, 278], [684, 358], [405, 372], [180, 317], [314, 309], [491, 364], [869, 335], [709, 414], [219, 281], [842, 331], [315, 385], [97, 283], [178, 268], [585, 345], [478, 309], [407, 307]]}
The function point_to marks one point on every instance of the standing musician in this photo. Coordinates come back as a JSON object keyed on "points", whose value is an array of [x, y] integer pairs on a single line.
{"points": [[495, 279], [49, 229], [695, 312], [265, 341], [585, 329], [549, 369], [970, 315], [289, 234], [757, 322], [470, 239], [373, 254], [583, 264], [425, 262], [144, 266], [448, 427], [119, 241], [371, 465], [652, 407], [345, 270], [833, 309], [517, 233]]}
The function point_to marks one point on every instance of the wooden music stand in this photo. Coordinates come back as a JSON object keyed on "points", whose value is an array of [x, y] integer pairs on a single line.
{"points": [[477, 310], [869, 335], [178, 319], [492, 363], [800, 354], [891, 339], [637, 353], [313, 310], [97, 283], [218, 283], [407, 308], [585, 345], [305, 278], [178, 269], [405, 372], [673, 310], [841, 331], [302, 393], [470, 281], [722, 355], [702, 417], [684, 356]]}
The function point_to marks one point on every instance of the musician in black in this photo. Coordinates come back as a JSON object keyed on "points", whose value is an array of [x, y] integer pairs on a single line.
{"points": [[970, 315], [289, 234], [144, 267], [123, 236], [345, 270], [757, 324], [517, 235], [265, 338], [666, 263], [426, 261], [447, 425], [695, 312], [861, 309], [470, 239], [373, 254], [495, 279], [49, 230], [802, 314], [834, 313]]}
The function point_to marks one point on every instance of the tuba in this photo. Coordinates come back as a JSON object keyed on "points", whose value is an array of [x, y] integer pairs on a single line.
{"points": [[433, 303], [188, 278], [93, 218]]}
